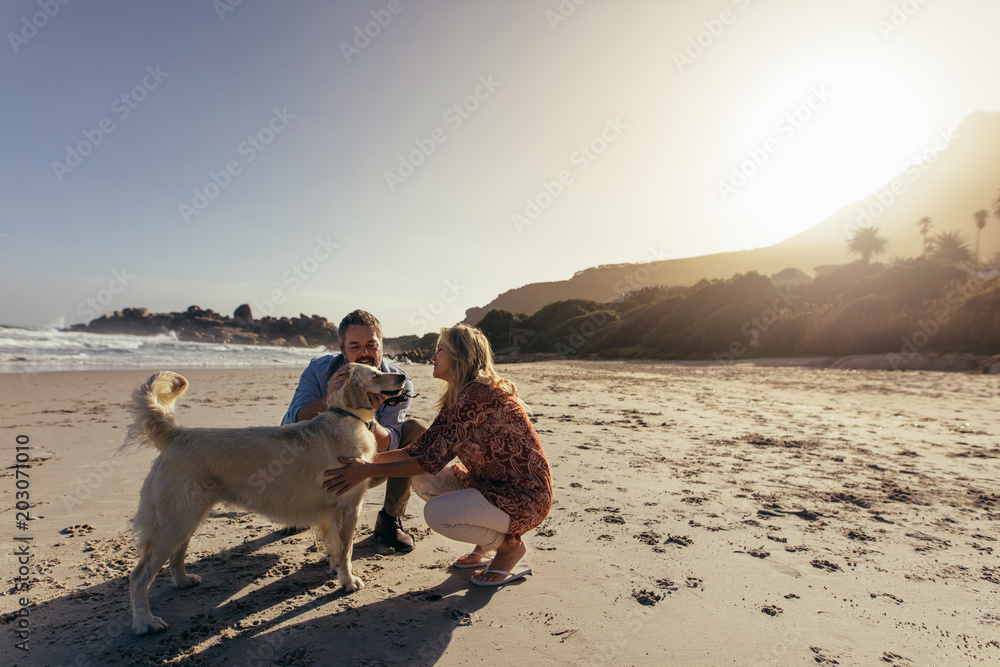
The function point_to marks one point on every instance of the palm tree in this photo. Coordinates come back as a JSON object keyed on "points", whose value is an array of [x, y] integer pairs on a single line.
{"points": [[996, 208], [981, 217], [996, 212], [866, 243], [925, 229], [950, 248]]}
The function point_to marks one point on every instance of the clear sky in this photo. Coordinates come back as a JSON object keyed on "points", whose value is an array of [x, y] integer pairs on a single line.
{"points": [[419, 158]]}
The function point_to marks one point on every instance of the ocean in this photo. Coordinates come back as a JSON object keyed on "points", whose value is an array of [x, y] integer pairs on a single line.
{"points": [[38, 349]]}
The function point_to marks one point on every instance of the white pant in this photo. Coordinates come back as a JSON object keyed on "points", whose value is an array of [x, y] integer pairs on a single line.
{"points": [[458, 512]]}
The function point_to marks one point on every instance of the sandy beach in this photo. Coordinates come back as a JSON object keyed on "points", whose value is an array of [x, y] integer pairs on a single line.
{"points": [[704, 515]]}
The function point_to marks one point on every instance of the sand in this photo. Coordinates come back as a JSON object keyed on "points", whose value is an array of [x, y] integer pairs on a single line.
{"points": [[704, 515]]}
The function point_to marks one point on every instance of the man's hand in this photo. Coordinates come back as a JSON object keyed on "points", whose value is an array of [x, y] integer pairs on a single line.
{"points": [[338, 379], [340, 480]]}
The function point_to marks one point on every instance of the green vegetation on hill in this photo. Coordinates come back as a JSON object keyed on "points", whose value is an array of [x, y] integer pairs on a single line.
{"points": [[933, 303], [558, 312], [497, 324], [914, 305]]}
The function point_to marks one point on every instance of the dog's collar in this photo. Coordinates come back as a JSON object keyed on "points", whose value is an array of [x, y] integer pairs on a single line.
{"points": [[341, 411]]}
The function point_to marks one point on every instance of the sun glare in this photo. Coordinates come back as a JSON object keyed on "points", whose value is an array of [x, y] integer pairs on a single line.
{"points": [[837, 136]]}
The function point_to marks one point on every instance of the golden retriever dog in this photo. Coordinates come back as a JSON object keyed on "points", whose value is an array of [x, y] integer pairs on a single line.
{"points": [[274, 470]]}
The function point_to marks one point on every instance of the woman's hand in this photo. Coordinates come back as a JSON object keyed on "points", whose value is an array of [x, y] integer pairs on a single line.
{"points": [[341, 480]]}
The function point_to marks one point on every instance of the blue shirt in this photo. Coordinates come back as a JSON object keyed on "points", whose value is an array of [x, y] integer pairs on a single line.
{"points": [[312, 386]]}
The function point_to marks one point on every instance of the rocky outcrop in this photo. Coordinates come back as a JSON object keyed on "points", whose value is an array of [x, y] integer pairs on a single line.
{"points": [[207, 326], [991, 366], [414, 355], [244, 316]]}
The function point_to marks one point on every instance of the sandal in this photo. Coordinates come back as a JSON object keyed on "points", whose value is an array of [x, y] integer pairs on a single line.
{"points": [[484, 560], [519, 571]]}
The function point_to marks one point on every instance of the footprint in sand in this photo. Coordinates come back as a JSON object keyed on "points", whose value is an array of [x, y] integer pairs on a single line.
{"points": [[679, 540], [461, 618], [651, 538], [859, 535], [667, 585], [979, 547], [824, 565], [646, 597], [823, 659]]}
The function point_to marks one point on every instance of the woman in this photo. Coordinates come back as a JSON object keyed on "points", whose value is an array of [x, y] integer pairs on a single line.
{"points": [[503, 486]]}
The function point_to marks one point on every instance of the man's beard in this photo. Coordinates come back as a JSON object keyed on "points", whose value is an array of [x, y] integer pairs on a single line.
{"points": [[365, 359]]}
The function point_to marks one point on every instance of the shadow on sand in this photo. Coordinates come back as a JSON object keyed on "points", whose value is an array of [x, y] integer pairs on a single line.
{"points": [[210, 625]]}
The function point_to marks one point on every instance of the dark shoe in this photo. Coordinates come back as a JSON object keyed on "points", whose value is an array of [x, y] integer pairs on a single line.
{"points": [[389, 531]]}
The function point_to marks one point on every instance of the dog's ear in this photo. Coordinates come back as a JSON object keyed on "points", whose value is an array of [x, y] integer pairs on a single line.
{"points": [[354, 393]]}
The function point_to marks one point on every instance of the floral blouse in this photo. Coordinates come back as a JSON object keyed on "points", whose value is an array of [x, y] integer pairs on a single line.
{"points": [[500, 454]]}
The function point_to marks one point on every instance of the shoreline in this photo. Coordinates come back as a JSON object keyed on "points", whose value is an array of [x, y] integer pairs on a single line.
{"points": [[945, 362], [974, 364]]}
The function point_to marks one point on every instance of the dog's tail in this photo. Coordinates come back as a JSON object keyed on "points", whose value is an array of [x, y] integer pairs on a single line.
{"points": [[152, 405]]}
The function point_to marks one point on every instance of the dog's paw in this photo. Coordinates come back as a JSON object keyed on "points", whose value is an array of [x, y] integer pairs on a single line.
{"points": [[148, 626], [352, 583], [188, 581]]}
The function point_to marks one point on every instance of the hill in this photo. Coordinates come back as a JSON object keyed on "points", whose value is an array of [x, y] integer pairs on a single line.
{"points": [[958, 176], [909, 307]]}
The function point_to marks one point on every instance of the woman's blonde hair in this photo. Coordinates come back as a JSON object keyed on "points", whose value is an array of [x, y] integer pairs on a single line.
{"points": [[470, 359]]}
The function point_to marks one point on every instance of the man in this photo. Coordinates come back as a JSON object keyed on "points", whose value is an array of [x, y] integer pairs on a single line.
{"points": [[360, 341]]}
